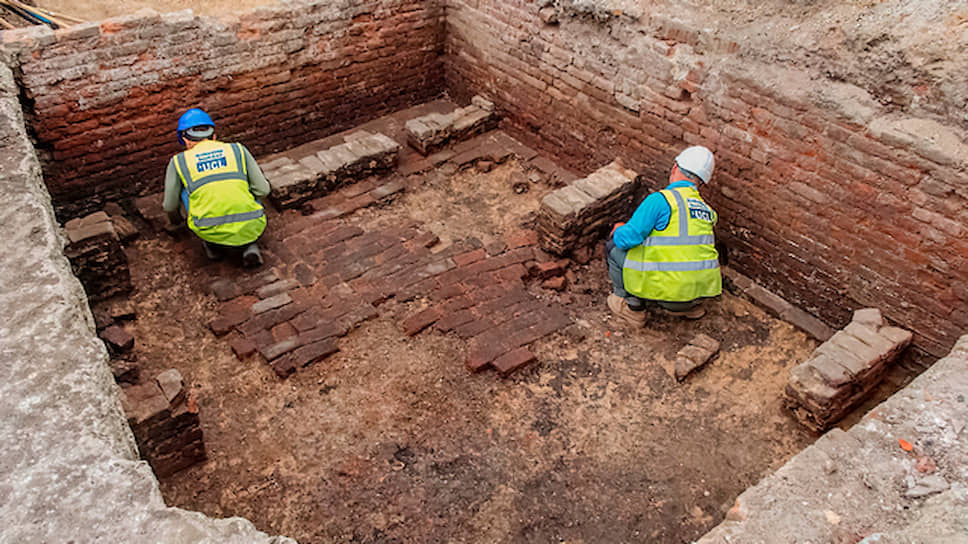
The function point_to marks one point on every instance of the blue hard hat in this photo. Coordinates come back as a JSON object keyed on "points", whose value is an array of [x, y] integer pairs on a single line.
{"points": [[191, 119]]}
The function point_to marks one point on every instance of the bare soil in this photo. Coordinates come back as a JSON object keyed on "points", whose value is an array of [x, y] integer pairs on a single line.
{"points": [[96, 10], [393, 440]]}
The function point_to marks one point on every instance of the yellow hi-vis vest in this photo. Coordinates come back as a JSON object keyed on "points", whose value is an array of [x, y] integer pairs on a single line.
{"points": [[679, 263], [221, 209]]}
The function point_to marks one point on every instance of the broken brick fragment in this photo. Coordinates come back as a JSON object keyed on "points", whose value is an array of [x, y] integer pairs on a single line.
{"points": [[523, 238], [555, 284], [547, 270], [117, 339], [242, 347]]}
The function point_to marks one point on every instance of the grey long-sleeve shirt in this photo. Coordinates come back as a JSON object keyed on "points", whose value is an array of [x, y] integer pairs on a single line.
{"points": [[258, 184]]}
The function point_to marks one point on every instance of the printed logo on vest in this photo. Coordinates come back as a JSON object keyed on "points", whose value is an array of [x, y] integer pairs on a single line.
{"points": [[211, 160], [699, 210]]}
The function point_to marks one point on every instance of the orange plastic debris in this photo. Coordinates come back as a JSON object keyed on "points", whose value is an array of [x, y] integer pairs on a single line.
{"points": [[608, 333], [905, 445]]}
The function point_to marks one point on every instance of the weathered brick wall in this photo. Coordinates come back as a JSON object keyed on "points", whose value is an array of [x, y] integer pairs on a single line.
{"points": [[824, 196], [103, 98]]}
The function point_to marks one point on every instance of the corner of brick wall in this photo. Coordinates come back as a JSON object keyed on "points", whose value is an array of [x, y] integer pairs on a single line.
{"points": [[103, 98], [69, 466], [824, 196]]}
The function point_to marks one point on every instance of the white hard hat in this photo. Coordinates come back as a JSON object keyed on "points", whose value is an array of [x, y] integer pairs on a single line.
{"points": [[697, 160]]}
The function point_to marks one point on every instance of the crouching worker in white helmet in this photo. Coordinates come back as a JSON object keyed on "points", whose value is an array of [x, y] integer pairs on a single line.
{"points": [[218, 185], [666, 253]]}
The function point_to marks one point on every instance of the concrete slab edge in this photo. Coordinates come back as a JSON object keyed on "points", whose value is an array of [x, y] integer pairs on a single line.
{"points": [[898, 476]]}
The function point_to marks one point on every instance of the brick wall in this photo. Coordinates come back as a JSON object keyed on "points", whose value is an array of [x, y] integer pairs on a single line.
{"points": [[102, 99], [824, 197]]}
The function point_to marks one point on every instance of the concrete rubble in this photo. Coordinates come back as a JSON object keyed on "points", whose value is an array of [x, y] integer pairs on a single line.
{"points": [[844, 370]]}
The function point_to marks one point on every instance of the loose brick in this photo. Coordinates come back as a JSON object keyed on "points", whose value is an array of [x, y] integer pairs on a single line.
{"points": [[512, 361], [117, 339], [555, 284], [241, 346]]}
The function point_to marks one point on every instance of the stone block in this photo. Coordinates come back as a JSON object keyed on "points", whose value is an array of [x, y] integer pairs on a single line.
{"points": [[172, 386], [842, 371], [868, 316]]}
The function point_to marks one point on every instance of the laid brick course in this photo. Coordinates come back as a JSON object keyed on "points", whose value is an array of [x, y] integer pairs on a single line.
{"points": [[105, 101], [435, 130], [165, 424], [844, 370], [801, 161], [96, 256], [579, 215], [296, 180]]}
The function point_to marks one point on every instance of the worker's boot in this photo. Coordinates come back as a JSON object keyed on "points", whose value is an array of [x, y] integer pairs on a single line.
{"points": [[213, 253], [251, 256], [691, 313], [620, 309]]}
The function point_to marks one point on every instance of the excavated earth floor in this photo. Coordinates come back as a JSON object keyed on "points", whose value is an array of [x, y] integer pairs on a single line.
{"points": [[392, 439]]}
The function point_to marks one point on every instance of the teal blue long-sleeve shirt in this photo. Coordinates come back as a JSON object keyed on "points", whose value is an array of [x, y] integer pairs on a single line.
{"points": [[652, 214]]}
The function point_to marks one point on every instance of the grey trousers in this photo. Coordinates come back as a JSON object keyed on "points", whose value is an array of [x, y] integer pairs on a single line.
{"points": [[615, 258]]}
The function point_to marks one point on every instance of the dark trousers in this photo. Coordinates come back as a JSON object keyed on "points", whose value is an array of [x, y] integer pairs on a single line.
{"points": [[615, 259]]}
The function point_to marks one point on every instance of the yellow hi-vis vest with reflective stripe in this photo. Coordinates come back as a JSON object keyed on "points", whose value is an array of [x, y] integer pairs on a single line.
{"points": [[679, 263], [221, 209]]}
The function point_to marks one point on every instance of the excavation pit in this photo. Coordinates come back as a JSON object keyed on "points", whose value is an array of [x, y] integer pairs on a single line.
{"points": [[333, 387], [302, 441], [396, 427]]}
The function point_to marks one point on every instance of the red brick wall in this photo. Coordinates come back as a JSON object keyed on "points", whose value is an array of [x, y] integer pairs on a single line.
{"points": [[103, 99], [825, 200]]}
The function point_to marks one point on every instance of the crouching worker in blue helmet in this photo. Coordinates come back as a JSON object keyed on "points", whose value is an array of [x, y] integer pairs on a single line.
{"points": [[666, 254], [218, 185]]}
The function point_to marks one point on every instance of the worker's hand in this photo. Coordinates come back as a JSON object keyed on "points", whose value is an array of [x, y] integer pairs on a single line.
{"points": [[617, 225], [175, 223]]}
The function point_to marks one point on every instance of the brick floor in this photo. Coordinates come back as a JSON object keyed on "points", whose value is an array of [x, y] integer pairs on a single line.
{"points": [[323, 277]]}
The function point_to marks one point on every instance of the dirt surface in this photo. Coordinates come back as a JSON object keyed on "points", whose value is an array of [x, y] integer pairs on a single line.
{"points": [[393, 440], [95, 10]]}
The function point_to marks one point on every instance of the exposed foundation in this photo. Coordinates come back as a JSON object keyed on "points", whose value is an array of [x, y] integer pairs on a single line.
{"points": [[409, 243]]}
